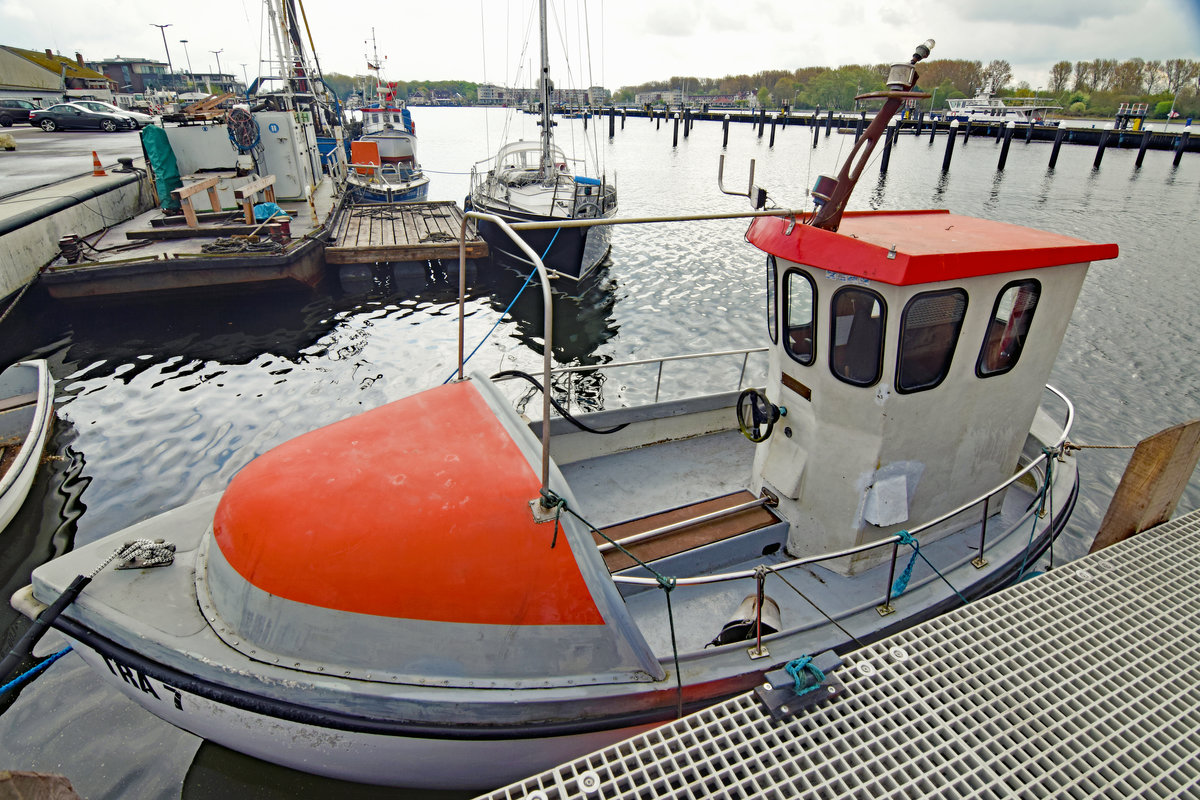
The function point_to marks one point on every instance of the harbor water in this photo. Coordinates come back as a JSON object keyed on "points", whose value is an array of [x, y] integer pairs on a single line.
{"points": [[162, 403]]}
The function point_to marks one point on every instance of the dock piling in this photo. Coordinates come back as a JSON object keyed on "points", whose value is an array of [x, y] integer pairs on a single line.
{"points": [[858, 128], [675, 135], [920, 123], [816, 132], [1028, 132], [829, 122], [1009, 130], [622, 119], [1142, 149], [966, 133], [771, 143], [889, 136], [1103, 144], [950, 146], [612, 121], [762, 121], [932, 129], [725, 131], [1058, 140], [1181, 144]]}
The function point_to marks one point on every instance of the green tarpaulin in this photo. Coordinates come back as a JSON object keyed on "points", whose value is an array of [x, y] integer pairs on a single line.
{"points": [[162, 163]]}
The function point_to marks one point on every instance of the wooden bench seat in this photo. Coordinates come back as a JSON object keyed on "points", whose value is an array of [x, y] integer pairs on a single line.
{"points": [[246, 194], [184, 194]]}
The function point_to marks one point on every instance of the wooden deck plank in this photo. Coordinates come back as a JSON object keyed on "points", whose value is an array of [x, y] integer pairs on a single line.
{"points": [[401, 232]]}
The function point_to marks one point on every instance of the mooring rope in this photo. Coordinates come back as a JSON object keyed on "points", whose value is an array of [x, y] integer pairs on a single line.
{"points": [[33, 671], [1069, 446], [902, 582]]}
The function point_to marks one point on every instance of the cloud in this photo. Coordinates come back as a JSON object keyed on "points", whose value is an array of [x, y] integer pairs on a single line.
{"points": [[1041, 12], [16, 10]]}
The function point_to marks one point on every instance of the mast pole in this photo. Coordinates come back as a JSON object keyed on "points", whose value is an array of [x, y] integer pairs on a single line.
{"points": [[545, 86]]}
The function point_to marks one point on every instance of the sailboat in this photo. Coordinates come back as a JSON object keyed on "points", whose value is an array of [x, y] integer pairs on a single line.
{"points": [[533, 181], [384, 166]]}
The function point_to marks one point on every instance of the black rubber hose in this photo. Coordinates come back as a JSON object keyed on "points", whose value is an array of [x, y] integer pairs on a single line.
{"points": [[515, 373], [40, 626]]}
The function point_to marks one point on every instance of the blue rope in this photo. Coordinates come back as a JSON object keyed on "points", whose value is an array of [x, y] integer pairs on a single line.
{"points": [[901, 583], [801, 666], [33, 672], [500, 319]]}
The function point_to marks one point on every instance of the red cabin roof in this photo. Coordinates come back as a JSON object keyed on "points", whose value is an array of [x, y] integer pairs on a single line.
{"points": [[905, 248]]}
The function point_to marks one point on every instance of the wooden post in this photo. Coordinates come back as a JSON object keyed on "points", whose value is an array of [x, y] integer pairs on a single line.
{"points": [[725, 131], [1009, 129], [999, 132], [657, 121], [932, 128], [1058, 140], [772, 142], [950, 145], [889, 136], [829, 122], [612, 121], [1103, 144], [1152, 484], [1181, 144], [675, 136], [622, 119], [816, 132], [967, 133], [920, 122], [1142, 149], [762, 121]]}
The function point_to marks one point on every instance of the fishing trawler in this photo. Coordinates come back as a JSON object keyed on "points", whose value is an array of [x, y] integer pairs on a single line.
{"points": [[534, 181], [443, 592]]}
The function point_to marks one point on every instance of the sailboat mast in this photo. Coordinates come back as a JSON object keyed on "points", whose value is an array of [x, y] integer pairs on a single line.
{"points": [[545, 87]]}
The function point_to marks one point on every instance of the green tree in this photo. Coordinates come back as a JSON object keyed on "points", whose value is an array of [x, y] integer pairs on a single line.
{"points": [[1060, 74]]}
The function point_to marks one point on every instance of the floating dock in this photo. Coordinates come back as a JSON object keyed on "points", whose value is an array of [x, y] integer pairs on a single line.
{"points": [[1083, 682], [372, 233]]}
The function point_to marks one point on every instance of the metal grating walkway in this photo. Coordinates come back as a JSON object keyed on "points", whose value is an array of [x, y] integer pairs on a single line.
{"points": [[1084, 682]]}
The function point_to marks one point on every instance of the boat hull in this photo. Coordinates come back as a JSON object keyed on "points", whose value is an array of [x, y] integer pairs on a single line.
{"points": [[573, 252], [31, 423], [377, 192]]}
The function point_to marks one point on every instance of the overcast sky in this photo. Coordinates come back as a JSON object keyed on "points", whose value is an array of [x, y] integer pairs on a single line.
{"points": [[630, 41]]}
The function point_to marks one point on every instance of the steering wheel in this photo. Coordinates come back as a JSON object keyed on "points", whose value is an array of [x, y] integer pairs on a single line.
{"points": [[755, 410]]}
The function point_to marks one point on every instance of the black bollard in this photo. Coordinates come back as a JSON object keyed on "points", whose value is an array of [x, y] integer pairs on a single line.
{"points": [[1181, 145], [1142, 149], [1103, 144], [1009, 129], [762, 121], [687, 122], [772, 142], [967, 133], [622, 119], [932, 128], [725, 131], [920, 122], [816, 133], [858, 128], [675, 138], [657, 121], [612, 121], [950, 146], [889, 136], [1058, 139], [829, 122]]}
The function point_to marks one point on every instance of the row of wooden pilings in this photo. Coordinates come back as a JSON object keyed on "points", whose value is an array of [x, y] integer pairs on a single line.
{"points": [[1003, 133]]}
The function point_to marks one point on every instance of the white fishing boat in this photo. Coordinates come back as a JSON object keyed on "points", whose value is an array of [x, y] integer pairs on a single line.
{"points": [[535, 181], [26, 412], [384, 166], [985, 107], [443, 593]]}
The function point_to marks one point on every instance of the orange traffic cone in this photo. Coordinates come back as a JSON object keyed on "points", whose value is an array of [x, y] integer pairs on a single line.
{"points": [[97, 170]]}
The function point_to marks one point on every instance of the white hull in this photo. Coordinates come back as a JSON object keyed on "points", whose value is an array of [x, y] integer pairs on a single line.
{"points": [[348, 755], [16, 483]]}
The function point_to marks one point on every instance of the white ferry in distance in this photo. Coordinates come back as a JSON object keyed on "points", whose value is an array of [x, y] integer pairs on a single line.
{"points": [[986, 107]]}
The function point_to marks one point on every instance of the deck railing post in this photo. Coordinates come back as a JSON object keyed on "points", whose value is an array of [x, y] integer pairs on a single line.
{"points": [[658, 383], [887, 608], [979, 562], [742, 377]]}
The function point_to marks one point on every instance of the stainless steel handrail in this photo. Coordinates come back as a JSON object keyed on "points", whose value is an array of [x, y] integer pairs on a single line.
{"points": [[887, 540]]}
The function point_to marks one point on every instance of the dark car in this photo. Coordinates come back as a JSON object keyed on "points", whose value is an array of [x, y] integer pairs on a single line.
{"points": [[69, 115], [12, 110]]}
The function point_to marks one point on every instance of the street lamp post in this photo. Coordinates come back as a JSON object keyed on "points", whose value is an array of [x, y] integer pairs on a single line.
{"points": [[191, 75], [217, 53], [245, 76], [163, 30]]}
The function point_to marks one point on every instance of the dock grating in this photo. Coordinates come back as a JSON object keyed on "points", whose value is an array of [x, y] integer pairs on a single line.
{"points": [[1084, 682], [376, 232]]}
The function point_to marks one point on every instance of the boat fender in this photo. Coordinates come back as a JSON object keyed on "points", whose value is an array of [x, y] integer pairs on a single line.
{"points": [[742, 628]]}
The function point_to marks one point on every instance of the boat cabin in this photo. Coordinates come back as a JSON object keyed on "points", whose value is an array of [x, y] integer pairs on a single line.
{"points": [[908, 357]]}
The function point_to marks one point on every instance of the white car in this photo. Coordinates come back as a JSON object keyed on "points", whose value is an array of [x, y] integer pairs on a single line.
{"points": [[140, 120]]}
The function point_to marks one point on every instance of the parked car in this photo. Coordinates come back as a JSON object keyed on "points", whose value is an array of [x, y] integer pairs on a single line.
{"points": [[141, 120], [12, 110], [70, 115]]}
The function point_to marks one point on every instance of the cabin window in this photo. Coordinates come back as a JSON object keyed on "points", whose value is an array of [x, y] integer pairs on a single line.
{"points": [[929, 329], [856, 336], [800, 317], [772, 308], [1010, 321]]}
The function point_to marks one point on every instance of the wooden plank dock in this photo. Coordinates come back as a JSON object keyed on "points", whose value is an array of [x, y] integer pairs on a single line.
{"points": [[370, 233]]}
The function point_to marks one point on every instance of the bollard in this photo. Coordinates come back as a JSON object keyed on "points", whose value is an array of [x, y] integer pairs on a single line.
{"points": [[920, 122], [967, 133], [675, 137], [1058, 139], [889, 136], [858, 128], [762, 121], [612, 121], [816, 133], [725, 131], [950, 145], [687, 122], [1103, 144], [772, 142], [622, 119], [932, 128], [1181, 145], [829, 122], [657, 121], [1142, 149], [1009, 129]]}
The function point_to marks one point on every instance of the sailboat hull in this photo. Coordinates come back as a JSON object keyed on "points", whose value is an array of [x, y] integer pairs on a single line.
{"points": [[573, 252]]}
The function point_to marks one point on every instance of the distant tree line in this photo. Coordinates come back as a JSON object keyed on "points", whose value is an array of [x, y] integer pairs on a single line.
{"points": [[1085, 88], [345, 85]]}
